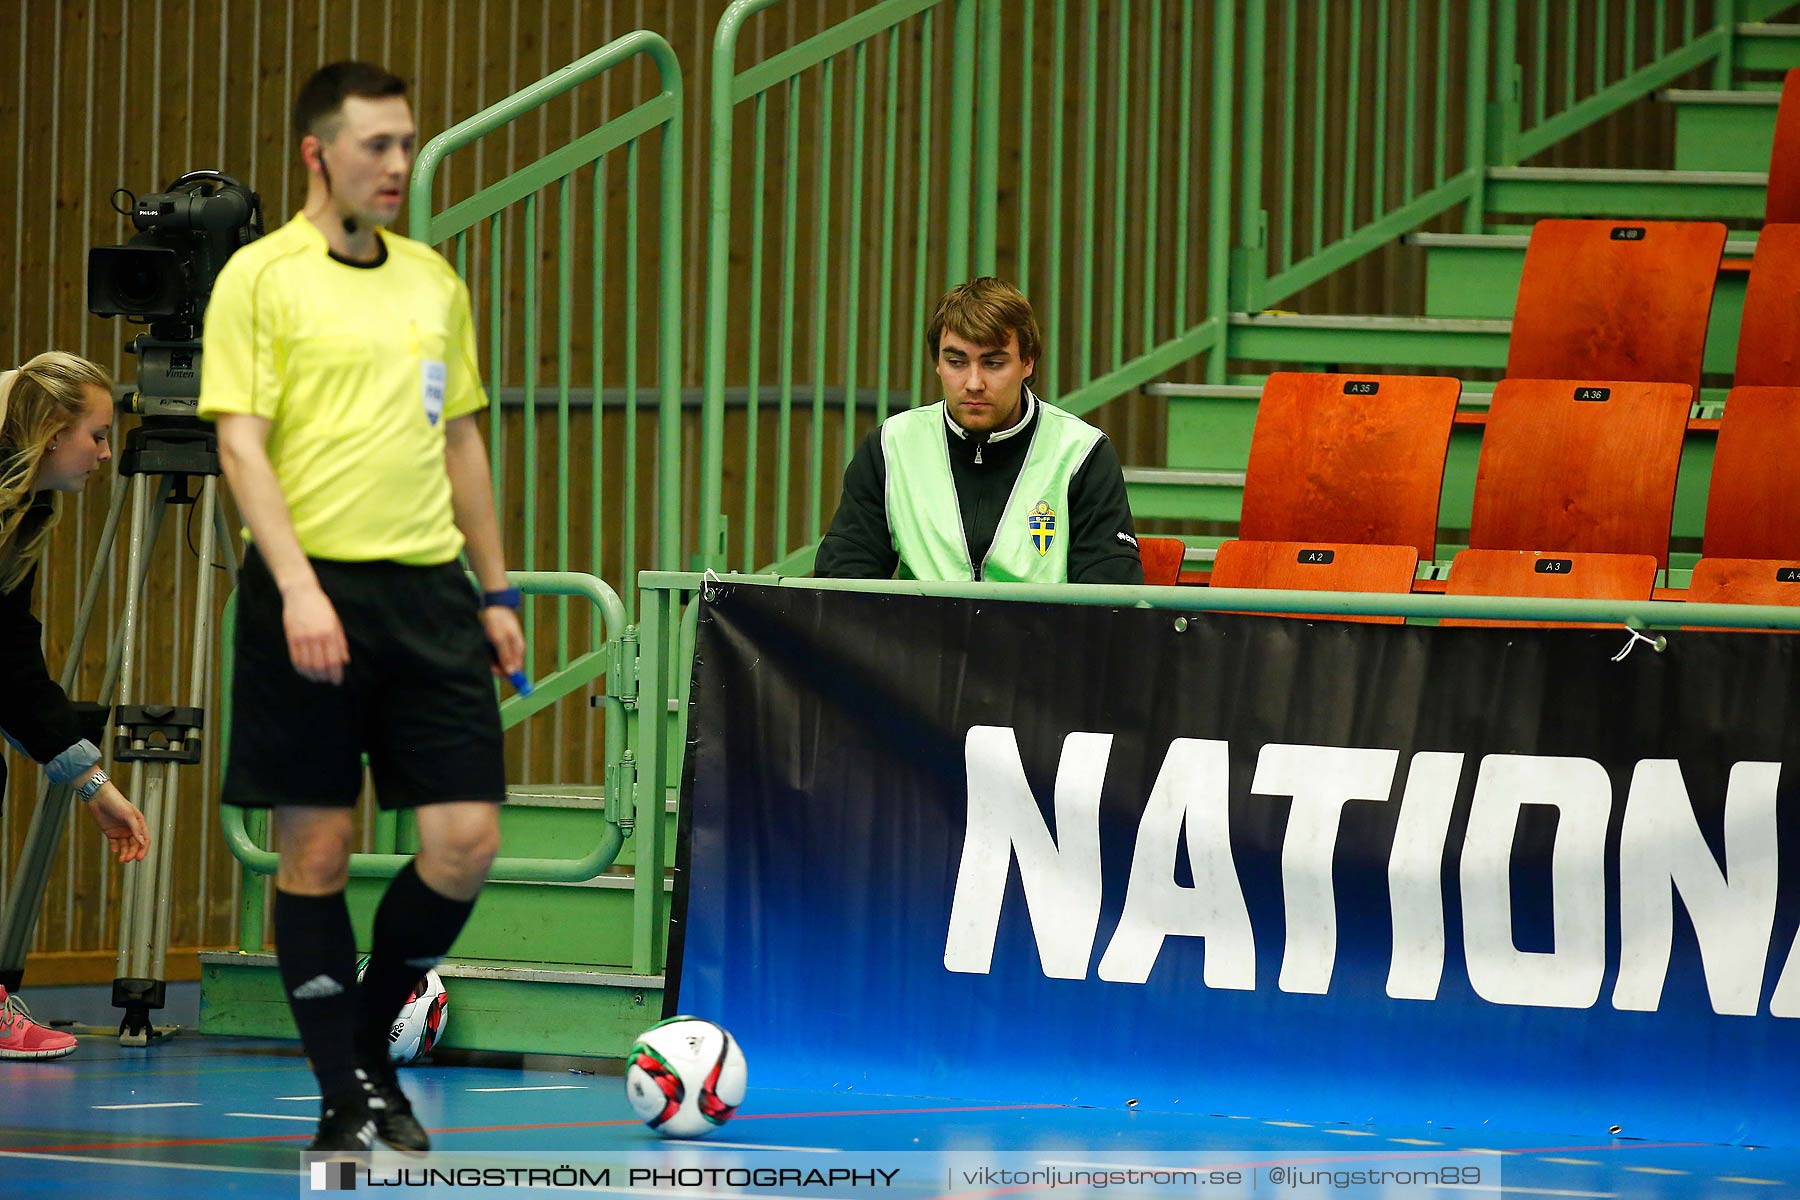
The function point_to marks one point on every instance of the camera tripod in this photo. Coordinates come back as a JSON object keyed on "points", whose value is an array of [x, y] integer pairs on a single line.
{"points": [[153, 738]]}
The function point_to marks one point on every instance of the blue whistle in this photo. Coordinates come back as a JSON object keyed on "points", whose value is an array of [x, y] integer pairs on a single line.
{"points": [[520, 684]]}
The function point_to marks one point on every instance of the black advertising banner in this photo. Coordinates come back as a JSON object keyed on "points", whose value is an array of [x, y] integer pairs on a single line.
{"points": [[1246, 864]]}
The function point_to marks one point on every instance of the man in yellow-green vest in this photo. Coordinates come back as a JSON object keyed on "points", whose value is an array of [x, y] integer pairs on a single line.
{"points": [[991, 483]]}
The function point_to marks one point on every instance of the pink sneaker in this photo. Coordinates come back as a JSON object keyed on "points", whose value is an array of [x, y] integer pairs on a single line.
{"points": [[22, 1037]]}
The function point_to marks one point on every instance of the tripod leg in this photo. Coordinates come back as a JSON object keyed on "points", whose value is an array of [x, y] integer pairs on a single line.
{"points": [[159, 939], [45, 833], [137, 576], [35, 860], [90, 594], [141, 982], [222, 536], [200, 672], [140, 574], [133, 989]]}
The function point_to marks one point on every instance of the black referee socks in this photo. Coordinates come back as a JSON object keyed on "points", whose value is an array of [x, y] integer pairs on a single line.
{"points": [[414, 928], [317, 952]]}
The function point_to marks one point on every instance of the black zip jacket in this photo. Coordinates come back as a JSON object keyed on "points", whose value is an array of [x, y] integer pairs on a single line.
{"points": [[34, 712], [1102, 543]]}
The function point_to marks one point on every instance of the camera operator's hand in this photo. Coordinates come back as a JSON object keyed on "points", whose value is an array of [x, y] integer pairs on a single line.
{"points": [[121, 822], [315, 636]]}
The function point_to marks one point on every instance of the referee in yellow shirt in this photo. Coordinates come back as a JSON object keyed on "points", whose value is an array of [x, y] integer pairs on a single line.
{"points": [[340, 367]]}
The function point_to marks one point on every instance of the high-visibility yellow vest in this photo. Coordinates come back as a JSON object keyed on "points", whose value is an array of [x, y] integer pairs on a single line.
{"points": [[1031, 543]]}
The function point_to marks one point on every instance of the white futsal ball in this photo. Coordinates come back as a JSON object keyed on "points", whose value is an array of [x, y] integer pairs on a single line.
{"points": [[685, 1077], [422, 1020]]}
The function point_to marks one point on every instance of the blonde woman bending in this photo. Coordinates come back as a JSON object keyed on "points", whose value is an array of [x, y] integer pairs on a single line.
{"points": [[55, 415]]}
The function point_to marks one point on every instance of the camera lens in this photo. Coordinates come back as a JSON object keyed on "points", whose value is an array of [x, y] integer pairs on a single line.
{"points": [[137, 287]]}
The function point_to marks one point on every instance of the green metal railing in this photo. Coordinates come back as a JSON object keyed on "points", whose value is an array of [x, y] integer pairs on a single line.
{"points": [[1323, 184], [482, 221], [246, 831], [1166, 163], [1553, 82], [952, 141], [1627, 614], [575, 469], [822, 199], [1127, 258], [1354, 174]]}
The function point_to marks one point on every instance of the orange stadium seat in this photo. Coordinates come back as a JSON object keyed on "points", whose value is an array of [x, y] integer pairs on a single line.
{"points": [[1318, 567], [1744, 581], [1559, 575], [1752, 506], [1782, 204], [1615, 300], [1349, 459], [1162, 560], [1573, 465], [1768, 352]]}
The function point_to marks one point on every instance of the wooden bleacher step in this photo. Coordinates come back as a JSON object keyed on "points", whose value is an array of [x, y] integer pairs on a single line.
{"points": [[1629, 194], [558, 952], [1720, 98], [1762, 46], [1183, 477], [1717, 130], [1183, 494], [537, 1008], [1477, 275], [1352, 341]]}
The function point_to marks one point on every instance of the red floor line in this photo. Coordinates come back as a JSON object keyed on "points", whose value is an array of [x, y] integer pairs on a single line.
{"points": [[882, 1112], [294, 1137], [227, 1141], [1613, 1149]]}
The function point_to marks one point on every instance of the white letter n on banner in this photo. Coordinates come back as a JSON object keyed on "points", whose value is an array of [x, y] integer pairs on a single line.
{"points": [[1663, 853], [1061, 875]]}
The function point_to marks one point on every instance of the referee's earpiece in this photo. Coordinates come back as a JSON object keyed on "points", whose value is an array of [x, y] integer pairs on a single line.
{"points": [[325, 174]]}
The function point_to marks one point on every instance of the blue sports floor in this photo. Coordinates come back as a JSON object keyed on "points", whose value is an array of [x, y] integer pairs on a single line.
{"points": [[199, 1116]]}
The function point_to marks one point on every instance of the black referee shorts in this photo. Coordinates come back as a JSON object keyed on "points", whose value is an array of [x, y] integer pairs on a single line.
{"points": [[417, 696]]}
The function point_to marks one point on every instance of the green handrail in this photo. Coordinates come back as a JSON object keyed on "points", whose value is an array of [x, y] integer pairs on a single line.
{"points": [[1605, 90], [1634, 614], [1399, 164], [244, 842], [1268, 264], [1289, 196], [558, 168], [734, 85]]}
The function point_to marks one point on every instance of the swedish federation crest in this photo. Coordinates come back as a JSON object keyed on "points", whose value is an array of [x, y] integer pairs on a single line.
{"points": [[1042, 521]]}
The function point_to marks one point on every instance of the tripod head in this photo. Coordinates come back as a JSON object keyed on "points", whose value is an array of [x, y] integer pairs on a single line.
{"points": [[171, 439], [168, 376], [178, 447]]}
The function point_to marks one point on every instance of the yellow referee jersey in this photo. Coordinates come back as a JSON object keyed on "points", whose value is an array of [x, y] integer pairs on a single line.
{"points": [[358, 368]]}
